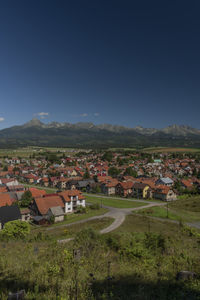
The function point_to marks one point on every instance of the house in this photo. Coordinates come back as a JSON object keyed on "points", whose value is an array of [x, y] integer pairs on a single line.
{"points": [[3, 189], [5, 199], [9, 182], [164, 193], [30, 178], [56, 212], [165, 181], [62, 183], [25, 214], [72, 199], [41, 205], [187, 184], [85, 185], [9, 213], [16, 188], [124, 189], [141, 190], [45, 181], [68, 200], [109, 187], [37, 192], [54, 181]]}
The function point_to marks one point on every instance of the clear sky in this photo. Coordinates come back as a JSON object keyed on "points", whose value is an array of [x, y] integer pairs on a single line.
{"points": [[103, 61]]}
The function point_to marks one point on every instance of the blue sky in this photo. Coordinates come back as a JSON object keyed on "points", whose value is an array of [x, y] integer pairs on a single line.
{"points": [[121, 62]]}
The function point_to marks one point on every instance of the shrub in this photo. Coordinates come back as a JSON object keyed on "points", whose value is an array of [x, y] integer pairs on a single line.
{"points": [[95, 206], [81, 210], [16, 229]]}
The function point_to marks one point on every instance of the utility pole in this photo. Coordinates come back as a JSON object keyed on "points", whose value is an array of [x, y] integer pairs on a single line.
{"points": [[167, 211]]}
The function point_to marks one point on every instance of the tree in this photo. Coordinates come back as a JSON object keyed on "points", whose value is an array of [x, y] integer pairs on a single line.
{"points": [[26, 199], [86, 174], [108, 156], [112, 171], [130, 172], [16, 229], [5, 168]]}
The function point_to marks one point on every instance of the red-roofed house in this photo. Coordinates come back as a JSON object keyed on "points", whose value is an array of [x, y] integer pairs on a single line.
{"points": [[43, 204], [36, 192], [5, 199], [109, 187], [72, 199], [124, 189], [164, 193]]}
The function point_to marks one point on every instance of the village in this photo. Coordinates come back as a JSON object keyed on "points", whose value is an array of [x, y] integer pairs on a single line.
{"points": [[47, 186]]}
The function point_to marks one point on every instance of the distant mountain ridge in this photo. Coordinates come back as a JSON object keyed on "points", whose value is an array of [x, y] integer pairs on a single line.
{"points": [[86, 134]]}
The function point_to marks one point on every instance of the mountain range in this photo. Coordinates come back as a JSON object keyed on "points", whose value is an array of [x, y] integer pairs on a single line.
{"points": [[88, 135]]}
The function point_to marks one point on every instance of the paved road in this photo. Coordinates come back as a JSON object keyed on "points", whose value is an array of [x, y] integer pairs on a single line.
{"points": [[118, 214]]}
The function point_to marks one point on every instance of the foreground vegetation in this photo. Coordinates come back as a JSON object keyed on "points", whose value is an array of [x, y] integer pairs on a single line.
{"points": [[139, 260]]}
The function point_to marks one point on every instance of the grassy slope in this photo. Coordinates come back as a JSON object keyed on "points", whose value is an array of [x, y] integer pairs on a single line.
{"points": [[71, 218], [114, 202], [159, 212], [186, 210], [70, 231], [142, 268]]}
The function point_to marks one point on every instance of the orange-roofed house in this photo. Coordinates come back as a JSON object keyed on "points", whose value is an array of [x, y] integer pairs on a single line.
{"points": [[187, 184], [164, 193], [43, 204], [37, 192], [72, 199], [5, 199], [124, 189], [3, 189], [109, 187], [68, 200]]}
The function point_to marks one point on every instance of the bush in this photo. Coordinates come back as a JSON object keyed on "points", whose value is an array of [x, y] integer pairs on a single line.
{"points": [[16, 229], [81, 210], [95, 206]]}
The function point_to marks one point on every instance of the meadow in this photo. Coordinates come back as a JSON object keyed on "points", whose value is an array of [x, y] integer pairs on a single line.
{"points": [[117, 203], [169, 149], [139, 260]]}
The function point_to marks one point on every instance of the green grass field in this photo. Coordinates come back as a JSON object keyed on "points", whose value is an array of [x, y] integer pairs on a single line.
{"points": [[169, 149], [185, 210], [159, 212], [69, 231], [71, 218], [188, 208], [117, 203]]}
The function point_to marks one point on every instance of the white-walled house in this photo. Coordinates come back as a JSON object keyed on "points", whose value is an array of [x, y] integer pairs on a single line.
{"points": [[72, 199], [67, 200]]}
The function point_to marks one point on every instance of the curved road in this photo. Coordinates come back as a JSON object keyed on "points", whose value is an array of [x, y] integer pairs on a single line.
{"points": [[118, 214]]}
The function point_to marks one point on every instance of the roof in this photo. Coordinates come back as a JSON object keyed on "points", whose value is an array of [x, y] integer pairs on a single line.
{"points": [[5, 199], [44, 203], [37, 192], [126, 185], [3, 189], [138, 185], [56, 211], [15, 187], [84, 183], [9, 213], [166, 180], [71, 193], [187, 183]]}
